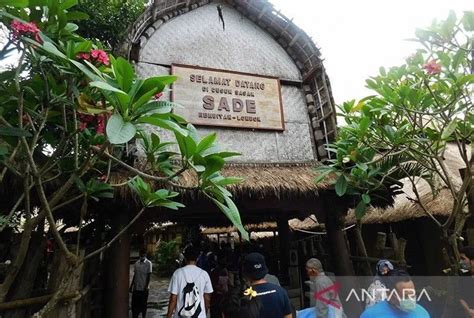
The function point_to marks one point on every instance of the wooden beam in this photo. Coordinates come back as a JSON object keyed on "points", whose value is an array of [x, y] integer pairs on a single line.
{"points": [[284, 247], [118, 269]]}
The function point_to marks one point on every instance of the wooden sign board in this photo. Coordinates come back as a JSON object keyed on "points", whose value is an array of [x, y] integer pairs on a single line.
{"points": [[213, 97]]}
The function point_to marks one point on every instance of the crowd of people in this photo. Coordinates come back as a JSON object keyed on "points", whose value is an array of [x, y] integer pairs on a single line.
{"points": [[216, 285]]}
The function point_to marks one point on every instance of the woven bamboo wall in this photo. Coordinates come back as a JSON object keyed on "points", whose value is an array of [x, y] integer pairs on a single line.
{"points": [[258, 40]]}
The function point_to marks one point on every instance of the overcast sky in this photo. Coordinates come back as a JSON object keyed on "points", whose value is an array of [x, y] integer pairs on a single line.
{"points": [[357, 37]]}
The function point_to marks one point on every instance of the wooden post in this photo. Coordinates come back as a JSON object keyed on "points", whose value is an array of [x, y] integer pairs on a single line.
{"points": [[117, 270], [284, 247], [380, 244], [402, 244]]}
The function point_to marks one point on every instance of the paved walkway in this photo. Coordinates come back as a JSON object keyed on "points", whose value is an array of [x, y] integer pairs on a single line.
{"points": [[157, 298]]}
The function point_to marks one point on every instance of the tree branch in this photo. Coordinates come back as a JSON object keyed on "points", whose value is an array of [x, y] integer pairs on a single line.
{"points": [[106, 246]]}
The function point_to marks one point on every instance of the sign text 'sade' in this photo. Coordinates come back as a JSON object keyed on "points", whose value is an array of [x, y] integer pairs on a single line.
{"points": [[228, 99]]}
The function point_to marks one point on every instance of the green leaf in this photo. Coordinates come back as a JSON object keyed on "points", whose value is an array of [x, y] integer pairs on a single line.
{"points": [[106, 86], [466, 79], [458, 59], [158, 83], [157, 107], [14, 132], [14, 3], [77, 16], [51, 48], [186, 145], [228, 181], [126, 72], [360, 210], [118, 131], [213, 164], [206, 142], [468, 20], [66, 4], [163, 123], [171, 205], [322, 176], [390, 132], [85, 70], [232, 213], [448, 130], [341, 185], [199, 168], [366, 198], [364, 125], [71, 27]]}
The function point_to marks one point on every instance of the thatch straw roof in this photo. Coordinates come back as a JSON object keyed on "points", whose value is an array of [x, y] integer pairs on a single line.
{"points": [[260, 181], [439, 205], [279, 181], [306, 224]]}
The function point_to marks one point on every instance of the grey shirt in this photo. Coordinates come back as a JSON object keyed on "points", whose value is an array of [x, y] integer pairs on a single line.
{"points": [[317, 284], [141, 269], [272, 279]]}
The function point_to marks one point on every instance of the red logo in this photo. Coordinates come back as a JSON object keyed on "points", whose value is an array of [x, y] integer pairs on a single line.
{"points": [[328, 295]]}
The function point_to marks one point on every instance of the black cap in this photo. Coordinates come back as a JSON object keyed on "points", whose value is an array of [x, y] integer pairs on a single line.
{"points": [[254, 266]]}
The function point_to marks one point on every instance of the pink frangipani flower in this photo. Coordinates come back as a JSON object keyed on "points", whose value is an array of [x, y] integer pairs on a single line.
{"points": [[28, 29], [100, 56], [432, 67]]}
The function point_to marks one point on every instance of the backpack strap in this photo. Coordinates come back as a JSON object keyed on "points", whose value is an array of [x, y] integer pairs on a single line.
{"points": [[186, 278]]}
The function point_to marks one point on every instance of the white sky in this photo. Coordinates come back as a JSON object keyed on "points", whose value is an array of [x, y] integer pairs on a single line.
{"points": [[357, 37]]}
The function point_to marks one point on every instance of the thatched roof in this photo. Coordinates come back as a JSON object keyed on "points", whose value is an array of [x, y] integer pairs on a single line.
{"points": [[274, 180], [306, 224], [439, 205], [260, 181]]}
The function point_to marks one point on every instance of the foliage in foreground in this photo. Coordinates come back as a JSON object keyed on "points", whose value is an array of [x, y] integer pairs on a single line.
{"points": [[68, 112], [402, 131]]}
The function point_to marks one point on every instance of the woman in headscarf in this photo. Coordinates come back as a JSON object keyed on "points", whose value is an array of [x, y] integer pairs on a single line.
{"points": [[377, 290]]}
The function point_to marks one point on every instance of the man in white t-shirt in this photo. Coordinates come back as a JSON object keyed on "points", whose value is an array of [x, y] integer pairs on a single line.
{"points": [[190, 289], [139, 285]]}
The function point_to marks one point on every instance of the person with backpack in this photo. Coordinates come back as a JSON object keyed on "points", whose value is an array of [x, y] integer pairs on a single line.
{"points": [[190, 289], [273, 299]]}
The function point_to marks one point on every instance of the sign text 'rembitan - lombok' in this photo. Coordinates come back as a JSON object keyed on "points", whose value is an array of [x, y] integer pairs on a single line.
{"points": [[229, 99]]}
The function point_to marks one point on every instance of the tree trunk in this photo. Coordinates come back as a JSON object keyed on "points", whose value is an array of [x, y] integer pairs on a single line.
{"points": [[117, 270], [25, 281], [336, 210], [362, 251]]}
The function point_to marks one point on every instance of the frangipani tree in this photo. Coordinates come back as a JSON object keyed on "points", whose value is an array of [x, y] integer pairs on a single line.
{"points": [[402, 131], [67, 112]]}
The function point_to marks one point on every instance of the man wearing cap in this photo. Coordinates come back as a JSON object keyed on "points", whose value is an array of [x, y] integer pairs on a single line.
{"points": [[274, 299], [319, 282]]}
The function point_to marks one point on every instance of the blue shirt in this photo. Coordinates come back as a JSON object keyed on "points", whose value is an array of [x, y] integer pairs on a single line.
{"points": [[385, 310], [274, 300]]}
